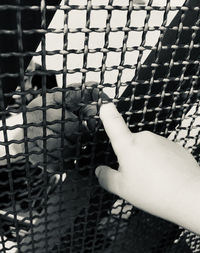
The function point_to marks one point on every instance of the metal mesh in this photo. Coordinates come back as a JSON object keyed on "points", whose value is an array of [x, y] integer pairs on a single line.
{"points": [[50, 200]]}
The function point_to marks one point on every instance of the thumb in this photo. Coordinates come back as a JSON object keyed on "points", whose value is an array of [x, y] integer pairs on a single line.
{"points": [[109, 179]]}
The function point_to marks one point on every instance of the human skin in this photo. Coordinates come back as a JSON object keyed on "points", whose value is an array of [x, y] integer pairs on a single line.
{"points": [[154, 174]]}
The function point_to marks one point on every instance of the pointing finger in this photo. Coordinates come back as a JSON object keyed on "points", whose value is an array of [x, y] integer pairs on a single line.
{"points": [[116, 129]]}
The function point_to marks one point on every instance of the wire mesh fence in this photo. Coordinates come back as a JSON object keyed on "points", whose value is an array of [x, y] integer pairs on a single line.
{"points": [[59, 61]]}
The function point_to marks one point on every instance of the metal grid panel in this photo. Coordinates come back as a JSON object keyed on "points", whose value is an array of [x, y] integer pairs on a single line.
{"points": [[50, 198]]}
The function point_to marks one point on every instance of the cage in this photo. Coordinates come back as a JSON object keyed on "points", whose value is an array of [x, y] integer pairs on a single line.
{"points": [[58, 58]]}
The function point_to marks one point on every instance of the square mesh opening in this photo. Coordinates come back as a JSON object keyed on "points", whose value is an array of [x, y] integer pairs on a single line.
{"points": [[145, 57]]}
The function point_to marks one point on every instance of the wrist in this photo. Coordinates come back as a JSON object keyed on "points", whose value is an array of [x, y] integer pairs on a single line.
{"points": [[184, 208]]}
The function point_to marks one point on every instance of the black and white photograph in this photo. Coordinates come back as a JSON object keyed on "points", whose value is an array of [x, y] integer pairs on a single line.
{"points": [[100, 126]]}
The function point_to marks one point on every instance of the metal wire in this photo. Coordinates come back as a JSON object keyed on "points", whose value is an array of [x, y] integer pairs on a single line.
{"points": [[50, 200]]}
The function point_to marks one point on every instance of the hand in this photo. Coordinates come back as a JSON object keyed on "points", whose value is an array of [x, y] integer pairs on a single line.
{"points": [[155, 174], [77, 103]]}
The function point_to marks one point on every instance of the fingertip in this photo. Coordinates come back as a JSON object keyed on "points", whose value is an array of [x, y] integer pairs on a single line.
{"points": [[110, 115], [108, 179], [98, 171], [107, 109], [116, 128]]}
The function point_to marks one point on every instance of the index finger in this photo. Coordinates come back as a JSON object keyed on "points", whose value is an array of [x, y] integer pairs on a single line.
{"points": [[116, 128]]}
